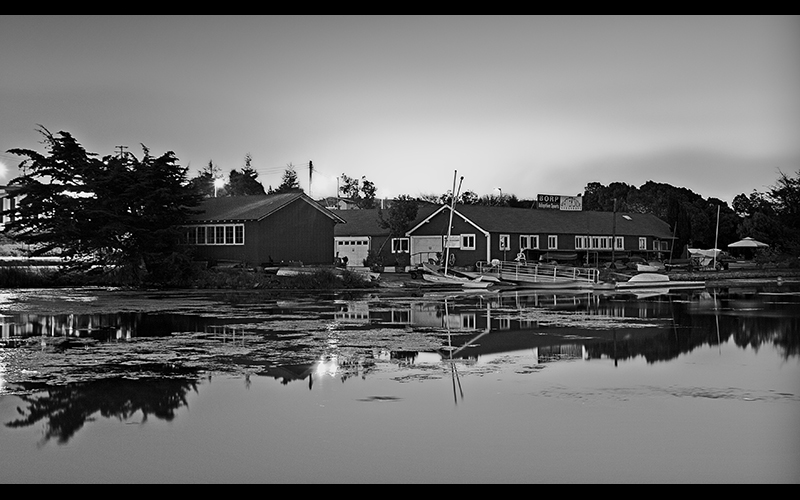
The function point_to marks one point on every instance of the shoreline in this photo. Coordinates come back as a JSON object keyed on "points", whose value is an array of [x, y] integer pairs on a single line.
{"points": [[768, 274]]}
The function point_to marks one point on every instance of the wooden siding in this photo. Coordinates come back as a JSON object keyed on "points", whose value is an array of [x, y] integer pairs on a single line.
{"points": [[296, 232], [519, 222]]}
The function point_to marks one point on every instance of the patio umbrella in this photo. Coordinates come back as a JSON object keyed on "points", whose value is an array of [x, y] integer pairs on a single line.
{"points": [[748, 243]]}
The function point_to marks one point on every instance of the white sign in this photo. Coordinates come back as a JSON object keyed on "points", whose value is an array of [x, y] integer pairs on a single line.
{"points": [[571, 203], [454, 242], [558, 202]]}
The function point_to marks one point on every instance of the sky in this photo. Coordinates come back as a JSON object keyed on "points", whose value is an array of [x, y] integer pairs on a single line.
{"points": [[516, 105]]}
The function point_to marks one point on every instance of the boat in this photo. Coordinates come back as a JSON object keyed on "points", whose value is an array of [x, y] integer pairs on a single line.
{"points": [[435, 276], [655, 280], [536, 275], [441, 279]]}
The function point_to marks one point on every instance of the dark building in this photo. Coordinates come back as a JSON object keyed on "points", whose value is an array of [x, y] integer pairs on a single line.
{"points": [[362, 233], [484, 233], [263, 230]]}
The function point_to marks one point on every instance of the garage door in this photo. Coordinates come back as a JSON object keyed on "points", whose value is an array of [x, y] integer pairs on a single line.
{"points": [[354, 248], [424, 248]]}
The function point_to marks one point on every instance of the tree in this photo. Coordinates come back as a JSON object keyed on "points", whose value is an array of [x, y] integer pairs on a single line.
{"points": [[399, 216], [121, 213], [289, 183], [205, 180], [398, 219], [785, 197], [244, 183], [692, 218], [774, 216], [362, 192]]}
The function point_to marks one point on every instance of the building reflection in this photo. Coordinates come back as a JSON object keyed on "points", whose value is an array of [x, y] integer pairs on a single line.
{"points": [[466, 330], [470, 327]]}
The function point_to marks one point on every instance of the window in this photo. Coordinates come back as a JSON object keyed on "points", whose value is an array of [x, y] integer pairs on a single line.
{"points": [[591, 242], [468, 321], [528, 241], [642, 243], [228, 234], [552, 241], [399, 245], [505, 242], [468, 242]]}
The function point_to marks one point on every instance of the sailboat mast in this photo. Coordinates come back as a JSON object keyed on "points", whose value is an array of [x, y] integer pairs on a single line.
{"points": [[450, 224]]}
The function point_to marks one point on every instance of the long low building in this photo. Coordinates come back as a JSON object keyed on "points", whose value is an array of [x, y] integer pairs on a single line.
{"points": [[484, 233]]}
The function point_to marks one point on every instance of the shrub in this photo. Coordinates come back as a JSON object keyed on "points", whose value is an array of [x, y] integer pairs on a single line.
{"points": [[25, 277]]}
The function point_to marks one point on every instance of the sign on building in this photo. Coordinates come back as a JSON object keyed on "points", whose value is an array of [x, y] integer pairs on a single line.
{"points": [[558, 202]]}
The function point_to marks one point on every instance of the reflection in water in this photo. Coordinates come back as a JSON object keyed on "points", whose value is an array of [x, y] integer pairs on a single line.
{"points": [[65, 409], [339, 340], [558, 324]]}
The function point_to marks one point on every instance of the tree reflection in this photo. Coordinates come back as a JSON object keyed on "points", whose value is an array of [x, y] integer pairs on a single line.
{"points": [[65, 409], [693, 329]]}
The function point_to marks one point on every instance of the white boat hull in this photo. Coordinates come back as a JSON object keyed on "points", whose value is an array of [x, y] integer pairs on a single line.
{"points": [[656, 280], [453, 280]]}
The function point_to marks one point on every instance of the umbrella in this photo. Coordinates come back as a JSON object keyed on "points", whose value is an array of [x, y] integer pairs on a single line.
{"points": [[748, 243]]}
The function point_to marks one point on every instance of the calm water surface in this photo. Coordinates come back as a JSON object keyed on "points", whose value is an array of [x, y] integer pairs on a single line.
{"points": [[393, 386]]}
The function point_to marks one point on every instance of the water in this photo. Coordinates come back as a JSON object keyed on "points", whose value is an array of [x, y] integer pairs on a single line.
{"points": [[114, 386]]}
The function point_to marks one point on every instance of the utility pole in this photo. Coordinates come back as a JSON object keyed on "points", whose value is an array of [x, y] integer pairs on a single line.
{"points": [[121, 151], [613, 232], [310, 172]]}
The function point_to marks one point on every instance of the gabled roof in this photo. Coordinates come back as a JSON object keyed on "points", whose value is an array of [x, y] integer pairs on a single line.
{"points": [[535, 221], [253, 207], [364, 222]]}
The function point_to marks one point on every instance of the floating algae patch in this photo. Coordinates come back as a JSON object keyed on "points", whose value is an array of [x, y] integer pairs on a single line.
{"points": [[571, 319]]}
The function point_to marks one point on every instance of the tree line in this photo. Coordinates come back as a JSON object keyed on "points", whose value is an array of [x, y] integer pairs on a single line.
{"points": [[123, 213]]}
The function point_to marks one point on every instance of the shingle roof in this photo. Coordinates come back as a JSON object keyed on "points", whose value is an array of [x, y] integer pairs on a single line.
{"points": [[365, 222], [524, 220], [253, 207], [358, 223]]}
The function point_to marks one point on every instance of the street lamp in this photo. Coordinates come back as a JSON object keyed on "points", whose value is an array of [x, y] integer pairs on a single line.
{"points": [[500, 198], [218, 183]]}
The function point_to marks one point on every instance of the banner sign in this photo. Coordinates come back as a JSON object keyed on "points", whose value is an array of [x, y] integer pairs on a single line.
{"points": [[558, 202]]}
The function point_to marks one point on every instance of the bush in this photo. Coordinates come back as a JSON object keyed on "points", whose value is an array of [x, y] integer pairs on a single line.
{"points": [[26, 277]]}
